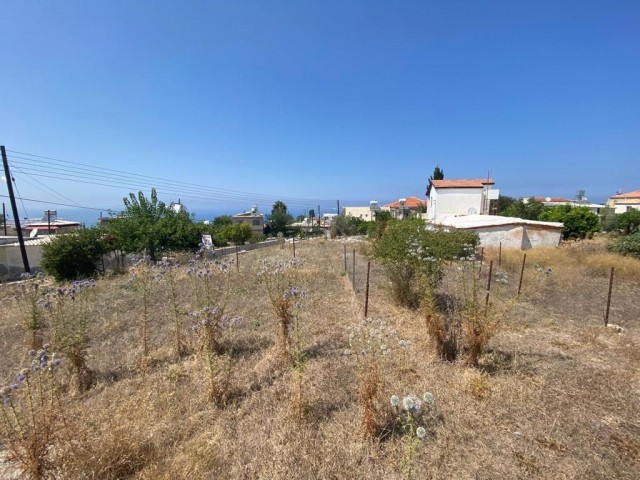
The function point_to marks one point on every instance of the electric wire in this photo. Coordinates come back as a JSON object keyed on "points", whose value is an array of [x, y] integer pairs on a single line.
{"points": [[120, 173], [26, 215], [56, 203], [31, 166], [48, 188], [161, 188]]}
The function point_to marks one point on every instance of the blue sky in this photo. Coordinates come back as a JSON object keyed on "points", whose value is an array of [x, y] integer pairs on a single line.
{"points": [[318, 101]]}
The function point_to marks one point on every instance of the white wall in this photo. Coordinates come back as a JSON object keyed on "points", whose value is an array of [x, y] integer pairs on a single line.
{"points": [[522, 237], [11, 265], [624, 208], [358, 212], [454, 201]]}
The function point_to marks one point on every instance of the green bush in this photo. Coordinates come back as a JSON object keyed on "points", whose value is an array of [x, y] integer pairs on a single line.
{"points": [[73, 255], [237, 233], [413, 256], [579, 222], [347, 225], [628, 222], [628, 245]]}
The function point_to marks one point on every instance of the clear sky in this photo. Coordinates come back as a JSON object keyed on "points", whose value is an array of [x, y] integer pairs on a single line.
{"points": [[314, 101]]}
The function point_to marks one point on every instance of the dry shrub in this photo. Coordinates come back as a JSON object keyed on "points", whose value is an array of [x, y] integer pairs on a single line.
{"points": [[369, 389], [556, 388], [33, 420], [460, 318]]}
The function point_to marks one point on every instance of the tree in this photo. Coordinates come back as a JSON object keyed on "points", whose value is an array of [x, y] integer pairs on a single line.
{"points": [[279, 218], [312, 214], [628, 222], [529, 210], [438, 174], [73, 255], [504, 203], [579, 222], [151, 226], [222, 221], [238, 234]]}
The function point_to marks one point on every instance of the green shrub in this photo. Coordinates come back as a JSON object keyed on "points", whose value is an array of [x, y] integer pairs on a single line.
{"points": [[347, 225], [579, 222], [628, 222], [628, 245], [73, 255], [413, 256]]}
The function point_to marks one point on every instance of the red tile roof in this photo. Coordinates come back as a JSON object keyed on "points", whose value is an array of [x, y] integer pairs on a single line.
{"points": [[553, 199], [412, 202], [634, 194], [462, 183]]}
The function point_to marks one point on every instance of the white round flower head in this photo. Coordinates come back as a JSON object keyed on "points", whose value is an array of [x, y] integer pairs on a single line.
{"points": [[428, 398], [395, 400], [421, 432], [408, 403]]}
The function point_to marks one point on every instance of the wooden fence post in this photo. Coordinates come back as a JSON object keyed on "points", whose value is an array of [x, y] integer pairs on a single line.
{"points": [[353, 268], [345, 259], [524, 259], [486, 301], [366, 295], [606, 313]]}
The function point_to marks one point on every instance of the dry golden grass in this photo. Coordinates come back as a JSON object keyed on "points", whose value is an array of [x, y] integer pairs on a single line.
{"points": [[555, 396]]}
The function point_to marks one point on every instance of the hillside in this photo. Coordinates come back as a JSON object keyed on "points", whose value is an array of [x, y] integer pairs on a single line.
{"points": [[556, 395]]}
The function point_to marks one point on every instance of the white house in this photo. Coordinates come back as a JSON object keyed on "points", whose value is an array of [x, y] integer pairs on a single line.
{"points": [[253, 217], [461, 197], [508, 232], [367, 214], [625, 202]]}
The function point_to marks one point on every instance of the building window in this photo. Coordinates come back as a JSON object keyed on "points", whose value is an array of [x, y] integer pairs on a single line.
{"points": [[256, 223]]}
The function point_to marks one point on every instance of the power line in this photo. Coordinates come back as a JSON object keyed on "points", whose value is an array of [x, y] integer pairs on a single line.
{"points": [[26, 215], [48, 188], [128, 175], [198, 193], [58, 204]]}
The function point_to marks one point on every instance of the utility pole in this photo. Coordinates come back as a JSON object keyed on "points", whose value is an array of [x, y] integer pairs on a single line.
{"points": [[4, 219], [319, 216], [14, 207], [49, 213], [338, 206]]}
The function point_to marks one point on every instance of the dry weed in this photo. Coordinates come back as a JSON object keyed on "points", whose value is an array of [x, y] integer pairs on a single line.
{"points": [[542, 383]]}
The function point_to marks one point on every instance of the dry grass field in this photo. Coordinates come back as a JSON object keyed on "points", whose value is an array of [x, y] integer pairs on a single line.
{"points": [[556, 395]]}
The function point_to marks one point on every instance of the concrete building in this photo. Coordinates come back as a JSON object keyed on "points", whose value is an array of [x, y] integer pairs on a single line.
{"points": [[509, 232], [11, 265], [50, 224], [365, 213], [461, 197], [625, 202], [253, 217]]}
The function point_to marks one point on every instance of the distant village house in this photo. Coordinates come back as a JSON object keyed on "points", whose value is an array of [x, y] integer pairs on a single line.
{"points": [[253, 217], [625, 202]]}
